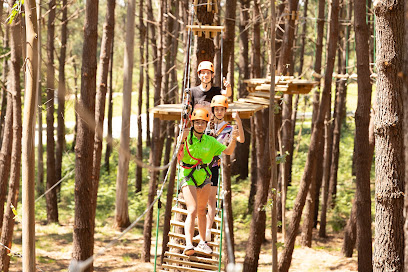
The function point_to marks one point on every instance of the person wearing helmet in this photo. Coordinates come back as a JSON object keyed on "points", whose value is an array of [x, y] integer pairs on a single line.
{"points": [[222, 131], [196, 153], [201, 95]]}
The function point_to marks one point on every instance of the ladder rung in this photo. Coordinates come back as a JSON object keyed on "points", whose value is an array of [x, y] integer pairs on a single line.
{"points": [[182, 247], [191, 258], [183, 211], [186, 268], [192, 264], [181, 224], [182, 236]]}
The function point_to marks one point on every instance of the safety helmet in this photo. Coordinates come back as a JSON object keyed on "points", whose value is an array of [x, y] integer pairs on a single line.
{"points": [[205, 65], [219, 101], [200, 114]]}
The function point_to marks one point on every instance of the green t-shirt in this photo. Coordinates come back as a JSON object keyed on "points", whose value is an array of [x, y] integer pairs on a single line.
{"points": [[206, 149]]}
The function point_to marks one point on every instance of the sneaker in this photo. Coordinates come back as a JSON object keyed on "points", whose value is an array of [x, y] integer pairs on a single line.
{"points": [[203, 248], [189, 250]]}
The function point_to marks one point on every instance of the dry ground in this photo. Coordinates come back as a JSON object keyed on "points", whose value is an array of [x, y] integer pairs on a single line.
{"points": [[54, 247]]}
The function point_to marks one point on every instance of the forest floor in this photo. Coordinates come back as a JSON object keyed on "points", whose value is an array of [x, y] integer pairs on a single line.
{"points": [[54, 247]]}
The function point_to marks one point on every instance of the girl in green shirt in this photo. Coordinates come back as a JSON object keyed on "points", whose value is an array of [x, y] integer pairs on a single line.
{"points": [[197, 152]]}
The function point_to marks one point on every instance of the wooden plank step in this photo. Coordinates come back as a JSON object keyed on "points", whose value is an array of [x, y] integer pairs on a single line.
{"points": [[182, 247], [192, 264], [183, 211], [181, 224], [209, 28], [178, 268], [182, 236], [191, 258]]}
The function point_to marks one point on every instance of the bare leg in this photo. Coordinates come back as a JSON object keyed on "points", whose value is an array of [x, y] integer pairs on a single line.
{"points": [[212, 203], [202, 199], [190, 196]]}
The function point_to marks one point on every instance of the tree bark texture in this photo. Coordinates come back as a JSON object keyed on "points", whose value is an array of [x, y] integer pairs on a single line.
{"points": [[256, 41], [389, 163], [226, 179], [362, 147], [5, 154], [121, 210], [316, 98], [51, 197], [83, 236], [139, 152], [28, 133], [286, 256], [109, 139], [254, 174], [303, 37], [257, 228], [350, 234], [169, 202], [4, 89], [405, 127], [101, 88], [328, 138], [14, 103], [285, 58], [40, 146], [61, 94], [156, 144], [229, 36]]}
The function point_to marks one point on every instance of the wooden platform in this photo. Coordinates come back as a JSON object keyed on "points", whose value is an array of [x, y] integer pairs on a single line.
{"points": [[284, 84], [173, 111]]}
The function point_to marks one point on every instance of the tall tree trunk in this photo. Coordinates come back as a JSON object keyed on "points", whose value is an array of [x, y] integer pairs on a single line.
{"points": [[257, 228], [61, 95], [51, 197], [139, 154], [40, 146], [101, 88], [14, 183], [28, 131], [363, 154], [83, 236], [109, 139], [389, 162], [4, 83], [312, 201], [405, 124], [286, 257], [240, 158], [157, 143], [121, 208], [5, 154], [15, 104], [147, 83], [272, 142], [316, 97]]}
